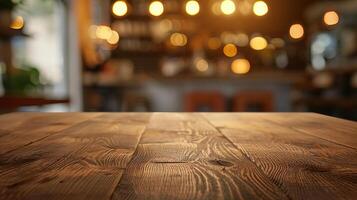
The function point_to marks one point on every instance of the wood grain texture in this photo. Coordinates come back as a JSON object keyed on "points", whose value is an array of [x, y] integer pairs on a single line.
{"points": [[304, 166], [84, 161], [177, 156], [181, 156], [20, 129], [329, 128]]}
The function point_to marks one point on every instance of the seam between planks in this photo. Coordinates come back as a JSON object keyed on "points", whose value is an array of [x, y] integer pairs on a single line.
{"points": [[131, 158], [309, 134], [245, 155], [49, 135]]}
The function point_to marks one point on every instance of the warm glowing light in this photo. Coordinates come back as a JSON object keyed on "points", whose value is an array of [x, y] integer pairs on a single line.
{"points": [[156, 8], [216, 8], [214, 43], [120, 8], [331, 18], [296, 31], [202, 65], [166, 25], [258, 43], [230, 50], [240, 66], [18, 23], [178, 39], [260, 8], [192, 7], [114, 38], [228, 7], [103, 32]]}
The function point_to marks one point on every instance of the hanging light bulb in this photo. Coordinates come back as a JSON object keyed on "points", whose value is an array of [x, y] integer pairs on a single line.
{"points": [[192, 7], [103, 32], [120, 8], [260, 8], [114, 38], [18, 23], [296, 31], [331, 18], [258, 43], [228, 7], [156, 8], [240, 66], [230, 50], [178, 39], [202, 65]]}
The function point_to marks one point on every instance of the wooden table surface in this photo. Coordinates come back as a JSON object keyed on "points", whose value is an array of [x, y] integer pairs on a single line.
{"points": [[177, 156]]}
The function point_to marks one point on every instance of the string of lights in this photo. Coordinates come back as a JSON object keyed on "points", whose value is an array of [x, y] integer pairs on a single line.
{"points": [[192, 7], [156, 8], [227, 7]]}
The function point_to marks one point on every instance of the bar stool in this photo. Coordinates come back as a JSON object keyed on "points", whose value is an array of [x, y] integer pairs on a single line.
{"points": [[253, 101], [201, 101]]}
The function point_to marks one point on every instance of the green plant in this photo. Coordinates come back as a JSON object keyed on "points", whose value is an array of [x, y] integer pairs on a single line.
{"points": [[9, 4], [23, 81]]}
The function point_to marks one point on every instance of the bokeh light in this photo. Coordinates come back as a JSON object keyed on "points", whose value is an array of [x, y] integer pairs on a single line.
{"points": [[202, 65], [114, 38], [178, 39], [296, 31], [230, 50], [17, 23], [242, 39], [331, 18], [216, 8], [120, 8], [228, 7], [260, 8], [156, 8], [192, 7], [258, 43], [103, 32], [240, 66], [228, 37], [166, 25], [318, 62]]}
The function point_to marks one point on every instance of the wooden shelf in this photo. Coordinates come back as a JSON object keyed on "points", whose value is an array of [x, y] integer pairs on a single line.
{"points": [[9, 33], [13, 102]]}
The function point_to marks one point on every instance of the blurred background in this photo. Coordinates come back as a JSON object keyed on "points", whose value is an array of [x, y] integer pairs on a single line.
{"points": [[179, 55]]}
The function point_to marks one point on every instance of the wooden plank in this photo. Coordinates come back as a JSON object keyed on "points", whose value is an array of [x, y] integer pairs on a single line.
{"points": [[20, 129], [10, 121], [181, 156], [329, 128], [304, 166], [85, 161]]}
